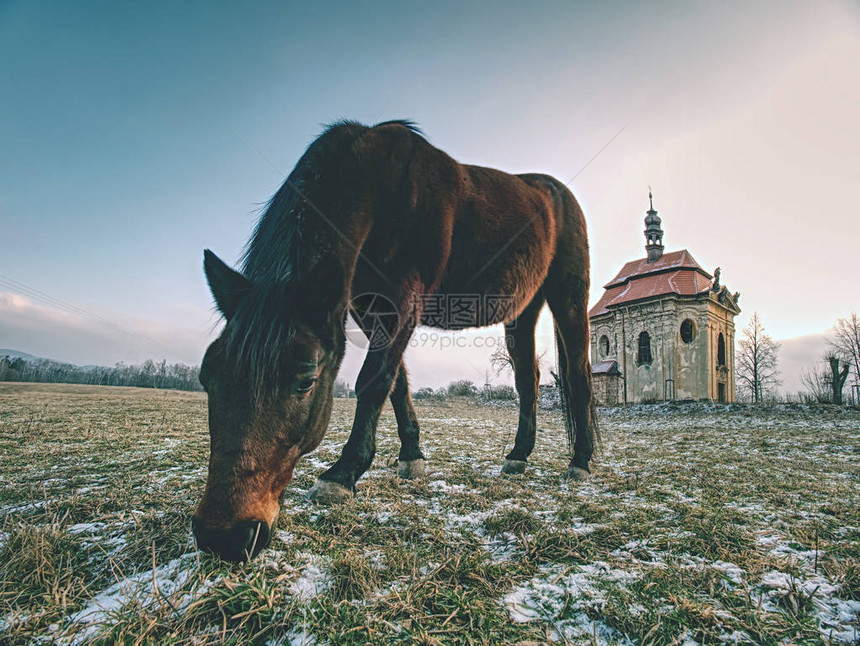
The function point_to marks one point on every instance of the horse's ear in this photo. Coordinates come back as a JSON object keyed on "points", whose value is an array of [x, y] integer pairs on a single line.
{"points": [[228, 286]]}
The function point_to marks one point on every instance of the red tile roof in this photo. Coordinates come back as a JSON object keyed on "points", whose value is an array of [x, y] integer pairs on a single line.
{"points": [[673, 273], [673, 260]]}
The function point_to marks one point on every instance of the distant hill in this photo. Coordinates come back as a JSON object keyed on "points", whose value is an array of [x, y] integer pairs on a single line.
{"points": [[17, 354], [26, 356]]}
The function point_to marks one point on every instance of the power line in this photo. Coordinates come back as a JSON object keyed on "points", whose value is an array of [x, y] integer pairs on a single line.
{"points": [[31, 292]]}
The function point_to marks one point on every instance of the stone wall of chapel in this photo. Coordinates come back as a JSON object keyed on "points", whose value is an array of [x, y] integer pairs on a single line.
{"points": [[721, 321], [691, 367], [607, 390]]}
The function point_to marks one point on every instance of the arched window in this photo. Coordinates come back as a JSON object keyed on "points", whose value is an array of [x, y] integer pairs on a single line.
{"points": [[603, 346], [721, 350], [644, 356], [688, 331]]}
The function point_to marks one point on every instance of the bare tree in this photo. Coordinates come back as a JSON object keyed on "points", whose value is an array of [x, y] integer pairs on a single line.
{"points": [[837, 378], [816, 384], [500, 361], [824, 383], [462, 388], [757, 357], [846, 342], [341, 388]]}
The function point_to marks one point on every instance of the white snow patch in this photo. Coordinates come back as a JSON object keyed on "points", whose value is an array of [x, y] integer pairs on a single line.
{"points": [[637, 610], [295, 637], [18, 509], [444, 487], [313, 578], [839, 619], [564, 599], [12, 619], [502, 549], [376, 558], [88, 528], [428, 568], [285, 537], [736, 637], [170, 578], [639, 552], [383, 517], [733, 573]]}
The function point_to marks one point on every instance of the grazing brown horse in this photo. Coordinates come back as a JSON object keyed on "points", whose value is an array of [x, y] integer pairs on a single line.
{"points": [[377, 221]]}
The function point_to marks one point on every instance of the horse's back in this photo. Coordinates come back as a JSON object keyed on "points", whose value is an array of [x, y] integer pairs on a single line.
{"points": [[502, 243]]}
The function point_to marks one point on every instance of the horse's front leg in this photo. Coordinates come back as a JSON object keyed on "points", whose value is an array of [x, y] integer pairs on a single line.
{"points": [[374, 384]]}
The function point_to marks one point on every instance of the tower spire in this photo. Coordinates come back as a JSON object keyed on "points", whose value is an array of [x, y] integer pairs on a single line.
{"points": [[653, 232]]}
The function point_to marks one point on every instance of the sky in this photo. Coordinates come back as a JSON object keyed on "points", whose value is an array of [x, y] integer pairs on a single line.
{"points": [[134, 135]]}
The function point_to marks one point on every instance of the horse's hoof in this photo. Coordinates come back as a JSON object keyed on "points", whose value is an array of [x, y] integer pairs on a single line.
{"points": [[410, 470], [577, 474], [328, 493], [512, 467]]}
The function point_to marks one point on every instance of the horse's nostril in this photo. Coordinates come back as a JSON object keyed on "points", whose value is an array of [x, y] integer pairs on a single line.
{"points": [[240, 542], [256, 536]]}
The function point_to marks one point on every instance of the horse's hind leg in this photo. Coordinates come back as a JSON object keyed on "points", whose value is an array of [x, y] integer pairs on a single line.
{"points": [[567, 298], [410, 463], [520, 340]]}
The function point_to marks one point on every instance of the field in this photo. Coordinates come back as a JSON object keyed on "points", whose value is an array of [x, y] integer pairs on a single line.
{"points": [[701, 524]]}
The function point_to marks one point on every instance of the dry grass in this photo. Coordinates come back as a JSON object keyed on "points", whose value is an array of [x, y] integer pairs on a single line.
{"points": [[727, 525]]}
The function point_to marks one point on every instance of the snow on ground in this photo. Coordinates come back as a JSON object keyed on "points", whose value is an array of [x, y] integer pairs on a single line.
{"points": [[444, 487], [839, 619], [465, 449], [9, 510], [295, 637], [144, 590], [570, 601], [313, 577]]}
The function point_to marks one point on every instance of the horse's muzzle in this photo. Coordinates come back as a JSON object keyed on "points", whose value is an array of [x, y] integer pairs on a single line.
{"points": [[241, 542]]}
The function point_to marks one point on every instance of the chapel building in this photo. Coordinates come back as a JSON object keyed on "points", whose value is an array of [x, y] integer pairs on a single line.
{"points": [[663, 329]]}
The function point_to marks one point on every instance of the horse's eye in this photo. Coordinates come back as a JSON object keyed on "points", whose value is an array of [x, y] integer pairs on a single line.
{"points": [[304, 386]]}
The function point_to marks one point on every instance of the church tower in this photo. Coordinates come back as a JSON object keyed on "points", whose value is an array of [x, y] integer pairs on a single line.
{"points": [[653, 233]]}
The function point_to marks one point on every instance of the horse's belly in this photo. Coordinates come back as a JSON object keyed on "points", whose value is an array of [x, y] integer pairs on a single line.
{"points": [[488, 293]]}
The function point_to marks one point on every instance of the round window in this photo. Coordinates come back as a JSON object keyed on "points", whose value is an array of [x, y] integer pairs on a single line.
{"points": [[688, 331]]}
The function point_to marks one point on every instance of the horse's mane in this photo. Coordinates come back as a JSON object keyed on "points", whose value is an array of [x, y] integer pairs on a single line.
{"points": [[278, 255], [273, 253]]}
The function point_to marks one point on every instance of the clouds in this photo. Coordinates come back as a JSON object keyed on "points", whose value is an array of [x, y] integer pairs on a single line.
{"points": [[798, 354], [47, 332]]}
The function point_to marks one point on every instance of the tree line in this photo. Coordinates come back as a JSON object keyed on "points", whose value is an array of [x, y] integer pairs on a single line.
{"points": [[824, 382], [757, 374], [148, 374]]}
